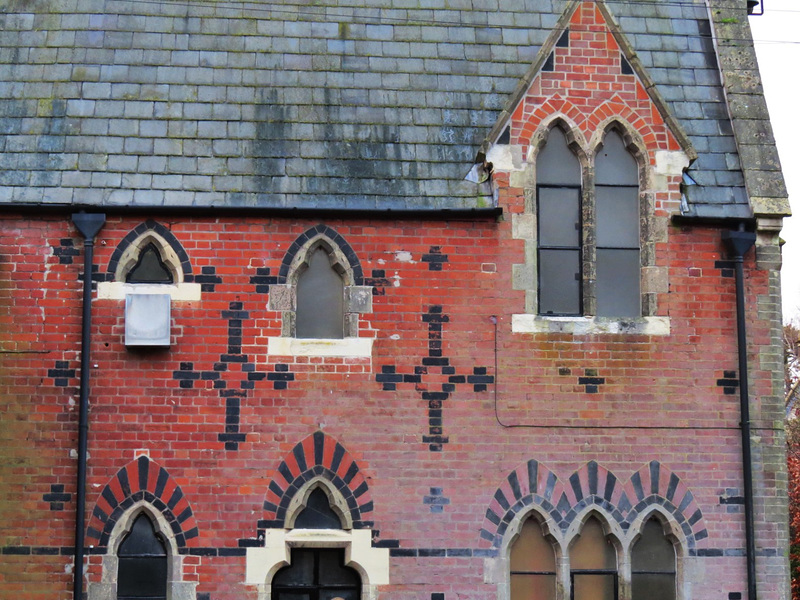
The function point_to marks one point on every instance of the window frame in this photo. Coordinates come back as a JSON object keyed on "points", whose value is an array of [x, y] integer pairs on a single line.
{"points": [[562, 541], [653, 279], [588, 246], [357, 301]]}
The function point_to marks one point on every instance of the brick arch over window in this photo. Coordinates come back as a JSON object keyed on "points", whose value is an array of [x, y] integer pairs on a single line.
{"points": [[142, 479], [654, 484], [530, 484], [555, 111], [317, 457], [356, 298], [308, 241], [592, 487], [127, 252]]}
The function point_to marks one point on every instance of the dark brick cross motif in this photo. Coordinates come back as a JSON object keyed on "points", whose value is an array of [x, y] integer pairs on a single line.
{"points": [[435, 361], [187, 375]]}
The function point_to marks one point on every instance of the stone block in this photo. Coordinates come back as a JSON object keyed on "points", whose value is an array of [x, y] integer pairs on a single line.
{"points": [[358, 299]]}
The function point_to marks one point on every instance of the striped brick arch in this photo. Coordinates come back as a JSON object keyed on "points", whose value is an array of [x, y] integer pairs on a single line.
{"points": [[532, 484], [142, 479], [332, 236], [317, 456]]}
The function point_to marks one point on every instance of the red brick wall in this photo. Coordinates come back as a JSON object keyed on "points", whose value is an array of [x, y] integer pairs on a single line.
{"points": [[138, 404]]}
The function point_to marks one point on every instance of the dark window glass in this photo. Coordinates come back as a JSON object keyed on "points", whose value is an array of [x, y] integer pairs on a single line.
{"points": [[317, 513], [559, 282], [320, 299], [559, 217], [653, 564], [617, 217], [149, 268], [593, 563], [533, 565], [316, 574], [142, 556]]}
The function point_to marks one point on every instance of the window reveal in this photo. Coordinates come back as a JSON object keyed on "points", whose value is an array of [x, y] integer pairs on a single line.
{"points": [[653, 564], [593, 564]]}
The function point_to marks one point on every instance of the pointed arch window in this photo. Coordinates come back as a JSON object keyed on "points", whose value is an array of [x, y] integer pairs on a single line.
{"points": [[317, 572], [149, 268], [653, 564], [142, 571], [558, 176], [588, 232], [593, 564], [533, 564], [617, 218], [320, 299]]}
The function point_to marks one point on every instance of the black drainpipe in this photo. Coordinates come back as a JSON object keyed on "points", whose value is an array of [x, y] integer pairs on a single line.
{"points": [[738, 244], [88, 225]]}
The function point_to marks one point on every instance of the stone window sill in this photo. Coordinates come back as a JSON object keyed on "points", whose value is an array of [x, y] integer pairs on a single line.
{"points": [[346, 347], [590, 325], [117, 290]]}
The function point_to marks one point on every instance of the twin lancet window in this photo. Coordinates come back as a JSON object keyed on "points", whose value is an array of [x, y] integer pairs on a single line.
{"points": [[593, 567], [588, 232]]}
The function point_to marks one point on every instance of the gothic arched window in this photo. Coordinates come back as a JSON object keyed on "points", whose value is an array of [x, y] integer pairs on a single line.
{"points": [[533, 565], [149, 267], [558, 179], [617, 230], [653, 564], [142, 556], [593, 564], [320, 299]]}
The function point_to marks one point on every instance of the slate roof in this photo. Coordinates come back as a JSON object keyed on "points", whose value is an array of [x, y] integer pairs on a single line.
{"points": [[362, 104]]}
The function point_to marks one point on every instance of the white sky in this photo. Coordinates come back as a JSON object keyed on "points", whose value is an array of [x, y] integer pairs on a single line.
{"points": [[777, 40]]}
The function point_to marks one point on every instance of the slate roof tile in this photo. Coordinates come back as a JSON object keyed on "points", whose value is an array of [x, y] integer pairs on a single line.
{"points": [[370, 104]]}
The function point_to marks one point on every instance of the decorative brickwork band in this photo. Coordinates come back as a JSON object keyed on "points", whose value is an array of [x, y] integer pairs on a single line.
{"points": [[140, 480], [317, 456], [532, 484]]}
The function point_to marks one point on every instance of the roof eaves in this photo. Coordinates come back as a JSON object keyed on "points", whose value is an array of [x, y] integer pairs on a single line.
{"points": [[748, 108], [648, 83], [522, 87]]}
